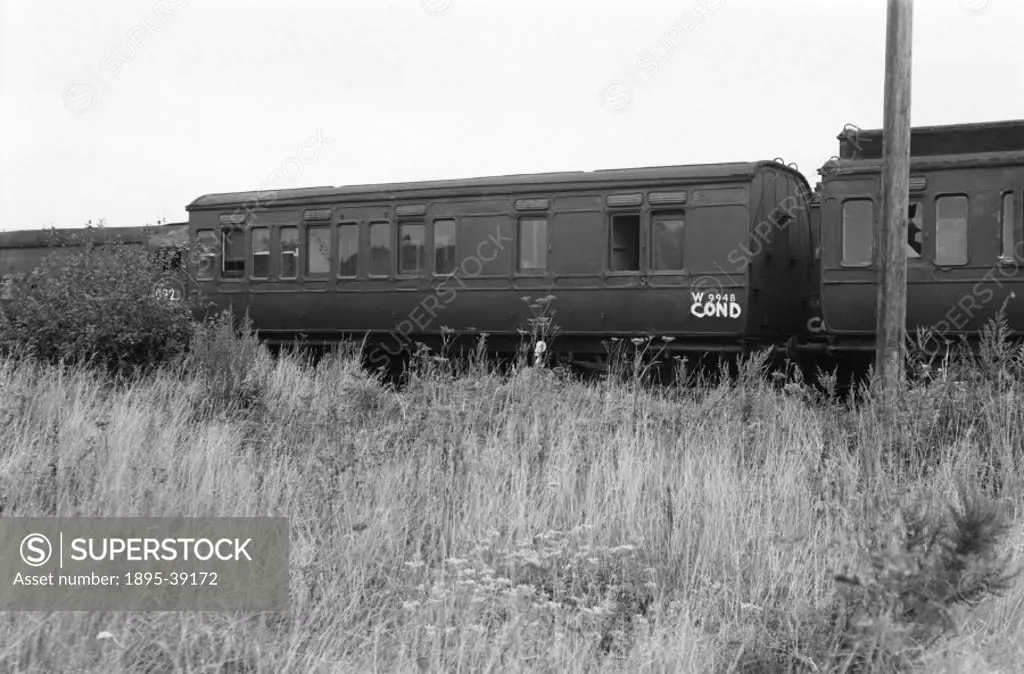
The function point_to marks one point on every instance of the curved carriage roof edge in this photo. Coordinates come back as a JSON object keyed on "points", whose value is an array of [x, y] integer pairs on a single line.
{"points": [[485, 185], [996, 125], [838, 167]]}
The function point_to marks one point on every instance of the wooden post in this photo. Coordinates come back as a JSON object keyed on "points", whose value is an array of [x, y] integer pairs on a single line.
{"points": [[891, 234]]}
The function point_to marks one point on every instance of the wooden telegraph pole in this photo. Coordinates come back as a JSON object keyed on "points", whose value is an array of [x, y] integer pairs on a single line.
{"points": [[891, 234]]}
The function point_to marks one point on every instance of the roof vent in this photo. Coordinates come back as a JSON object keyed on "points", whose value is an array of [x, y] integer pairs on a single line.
{"points": [[317, 214], [624, 199], [411, 209]]}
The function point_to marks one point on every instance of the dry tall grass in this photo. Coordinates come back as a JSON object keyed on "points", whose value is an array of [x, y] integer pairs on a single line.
{"points": [[531, 523]]}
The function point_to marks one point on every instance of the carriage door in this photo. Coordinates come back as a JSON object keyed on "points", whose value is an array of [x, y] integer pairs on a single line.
{"points": [[627, 275], [220, 262]]}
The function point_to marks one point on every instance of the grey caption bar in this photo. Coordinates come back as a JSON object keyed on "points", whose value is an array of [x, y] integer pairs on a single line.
{"points": [[144, 564]]}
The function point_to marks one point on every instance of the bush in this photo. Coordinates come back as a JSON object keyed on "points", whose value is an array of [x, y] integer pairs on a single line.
{"points": [[914, 573], [99, 305]]}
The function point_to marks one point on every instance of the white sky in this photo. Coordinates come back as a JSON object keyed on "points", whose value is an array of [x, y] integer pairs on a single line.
{"points": [[221, 95]]}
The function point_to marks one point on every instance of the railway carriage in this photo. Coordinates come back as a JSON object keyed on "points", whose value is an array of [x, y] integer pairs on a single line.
{"points": [[965, 242], [21, 252], [710, 259]]}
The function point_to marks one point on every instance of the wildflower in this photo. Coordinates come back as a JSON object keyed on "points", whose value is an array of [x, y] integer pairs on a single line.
{"points": [[108, 635]]}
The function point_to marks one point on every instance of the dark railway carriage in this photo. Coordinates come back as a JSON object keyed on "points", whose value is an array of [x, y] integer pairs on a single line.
{"points": [[714, 257], [21, 252], [965, 242]]}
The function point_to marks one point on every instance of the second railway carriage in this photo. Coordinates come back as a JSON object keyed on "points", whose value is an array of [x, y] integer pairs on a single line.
{"points": [[965, 244], [702, 258], [22, 252]]}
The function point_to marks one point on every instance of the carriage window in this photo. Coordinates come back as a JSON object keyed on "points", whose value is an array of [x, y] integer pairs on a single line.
{"points": [[951, 230], [233, 265], [444, 246], [915, 231], [858, 230], [625, 244], [1006, 233], [380, 248], [289, 252], [207, 240], [348, 250], [260, 252], [667, 244], [533, 243], [412, 257], [318, 249]]}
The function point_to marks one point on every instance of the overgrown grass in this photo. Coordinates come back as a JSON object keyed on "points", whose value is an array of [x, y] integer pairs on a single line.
{"points": [[475, 522]]}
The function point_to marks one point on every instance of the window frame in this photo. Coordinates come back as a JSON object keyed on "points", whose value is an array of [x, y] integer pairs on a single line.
{"points": [[294, 253], [225, 231], [359, 249], [211, 253], [455, 246], [674, 214], [538, 270], [253, 252], [609, 243], [391, 263], [307, 272], [919, 215], [423, 269], [842, 234], [1007, 221], [967, 229]]}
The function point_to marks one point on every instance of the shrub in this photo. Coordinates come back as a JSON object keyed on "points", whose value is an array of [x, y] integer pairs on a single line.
{"points": [[914, 574], [98, 305]]}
